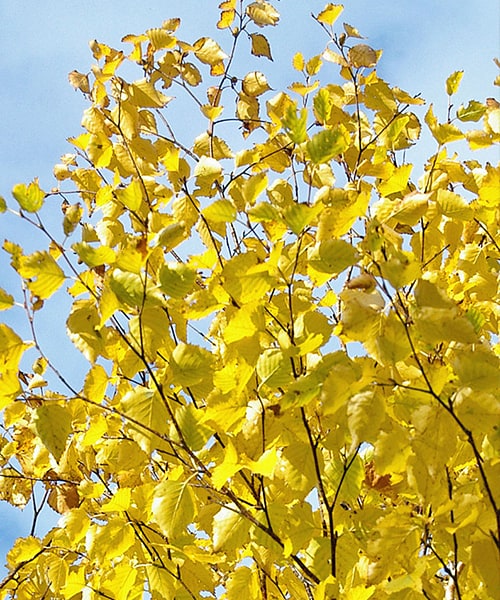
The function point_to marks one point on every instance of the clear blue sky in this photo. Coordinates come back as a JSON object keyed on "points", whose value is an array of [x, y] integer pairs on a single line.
{"points": [[424, 41]]}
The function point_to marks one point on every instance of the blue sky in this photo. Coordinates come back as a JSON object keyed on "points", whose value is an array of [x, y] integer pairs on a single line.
{"points": [[424, 41]]}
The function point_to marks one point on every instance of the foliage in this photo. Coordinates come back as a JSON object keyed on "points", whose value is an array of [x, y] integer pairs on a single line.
{"points": [[292, 347]]}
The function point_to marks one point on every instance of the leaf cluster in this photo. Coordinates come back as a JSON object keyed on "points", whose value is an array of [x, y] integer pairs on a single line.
{"points": [[292, 348]]}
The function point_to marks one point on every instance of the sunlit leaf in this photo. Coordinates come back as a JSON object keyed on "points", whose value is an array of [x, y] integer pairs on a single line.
{"points": [[208, 51], [330, 13], [327, 144], [53, 425], [6, 300], [472, 112], [44, 275], [30, 197], [453, 82], [262, 13]]}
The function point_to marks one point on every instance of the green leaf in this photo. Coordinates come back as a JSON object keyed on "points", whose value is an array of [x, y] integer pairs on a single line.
{"points": [[296, 126], [332, 256], [30, 198], [190, 364], [53, 425], [193, 431], [177, 279], [327, 144], [298, 216], [128, 287]]}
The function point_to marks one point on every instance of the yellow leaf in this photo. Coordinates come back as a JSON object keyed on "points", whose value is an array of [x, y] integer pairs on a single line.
{"points": [[173, 507], [365, 414], [397, 182], [160, 38], [260, 46], [230, 529], [190, 364], [255, 84], [144, 94], [352, 31], [79, 81], [363, 55], [24, 549], [442, 132], [220, 211], [453, 82], [53, 425], [96, 382], [266, 464], [229, 466], [454, 206], [146, 408], [479, 370], [93, 257], [207, 170], [131, 196], [334, 57], [44, 275], [332, 256], [263, 13], [105, 542], [208, 51], [273, 368], [330, 14], [6, 300], [119, 502], [30, 198], [228, 11]]}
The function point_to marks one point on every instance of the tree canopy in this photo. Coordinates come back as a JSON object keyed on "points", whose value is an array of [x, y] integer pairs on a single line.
{"points": [[291, 337]]}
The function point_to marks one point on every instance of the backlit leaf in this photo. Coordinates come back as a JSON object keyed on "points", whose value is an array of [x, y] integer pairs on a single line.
{"points": [[44, 275], [330, 13], [362, 55], [173, 507], [53, 425], [472, 112], [327, 144], [30, 198], [6, 300], [453, 82]]}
